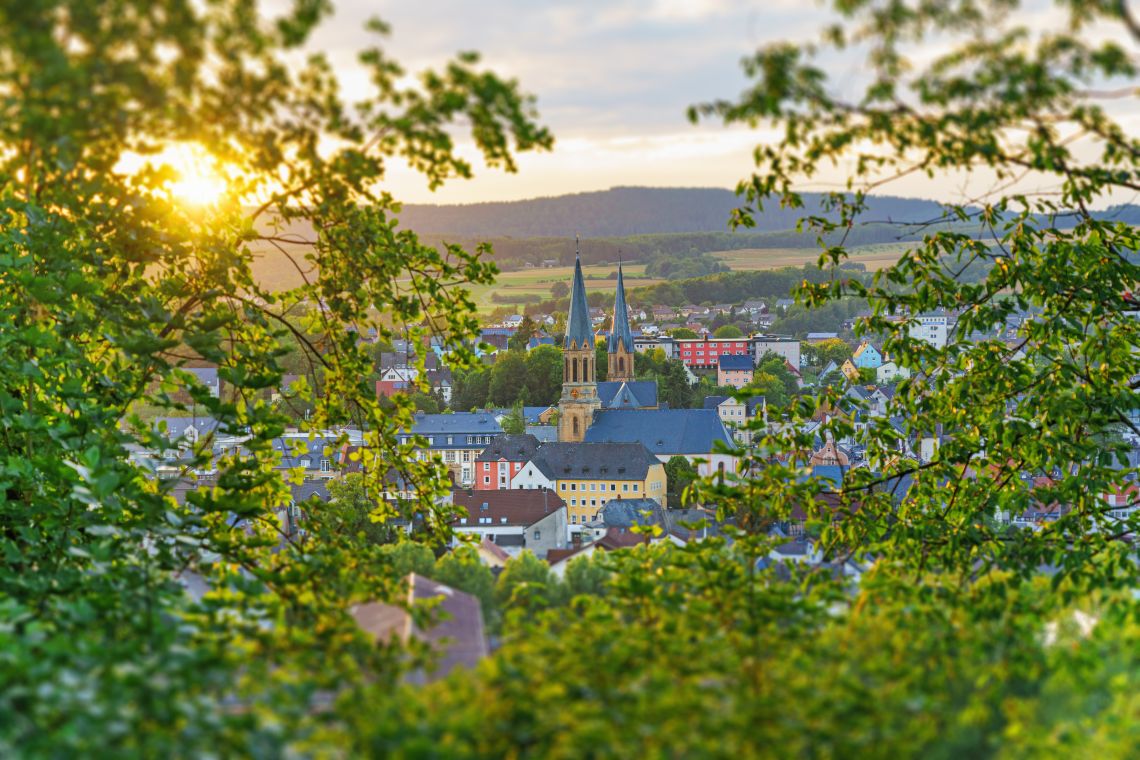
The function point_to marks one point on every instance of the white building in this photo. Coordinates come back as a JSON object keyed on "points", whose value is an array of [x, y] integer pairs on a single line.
{"points": [[932, 327]]}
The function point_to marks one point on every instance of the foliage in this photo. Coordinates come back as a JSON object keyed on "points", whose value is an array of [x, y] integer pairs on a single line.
{"points": [[526, 586], [728, 331], [683, 332], [527, 329], [461, 569], [825, 351], [350, 509], [515, 422], [679, 474], [111, 284], [559, 290]]}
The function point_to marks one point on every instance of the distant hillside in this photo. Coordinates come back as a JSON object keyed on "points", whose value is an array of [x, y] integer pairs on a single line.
{"points": [[623, 211]]}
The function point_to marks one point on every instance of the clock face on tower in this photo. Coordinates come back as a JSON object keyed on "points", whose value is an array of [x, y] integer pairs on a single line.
{"points": [[574, 393]]}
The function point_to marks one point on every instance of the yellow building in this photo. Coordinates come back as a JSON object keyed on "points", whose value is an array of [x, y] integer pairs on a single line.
{"points": [[588, 475]]}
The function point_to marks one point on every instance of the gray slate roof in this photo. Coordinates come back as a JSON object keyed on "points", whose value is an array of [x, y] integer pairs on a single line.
{"points": [[457, 424], [627, 513], [513, 448], [621, 332], [579, 331], [594, 461], [661, 431], [639, 394]]}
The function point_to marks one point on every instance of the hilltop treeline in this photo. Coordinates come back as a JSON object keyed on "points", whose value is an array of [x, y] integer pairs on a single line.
{"points": [[515, 253], [624, 211]]}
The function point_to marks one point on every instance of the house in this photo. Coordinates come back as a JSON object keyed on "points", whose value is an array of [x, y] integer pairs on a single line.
{"points": [[587, 475], [456, 634], [755, 307], [867, 356], [208, 378], [513, 520], [502, 460], [850, 370], [830, 367], [491, 555], [819, 337], [784, 347], [628, 517], [890, 371], [734, 370], [513, 321], [663, 313], [455, 439], [690, 433], [830, 454], [496, 338], [783, 304], [396, 380]]}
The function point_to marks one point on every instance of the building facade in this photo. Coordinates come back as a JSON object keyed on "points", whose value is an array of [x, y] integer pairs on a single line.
{"points": [[588, 475]]}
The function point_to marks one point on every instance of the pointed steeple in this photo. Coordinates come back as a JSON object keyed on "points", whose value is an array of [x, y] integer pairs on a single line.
{"points": [[620, 332], [579, 330]]}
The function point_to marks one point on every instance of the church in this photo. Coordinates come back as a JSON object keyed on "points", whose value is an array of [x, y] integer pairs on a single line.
{"points": [[624, 410], [582, 394]]}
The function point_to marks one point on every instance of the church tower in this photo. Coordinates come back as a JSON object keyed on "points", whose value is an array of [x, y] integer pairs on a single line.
{"points": [[619, 363], [579, 375]]}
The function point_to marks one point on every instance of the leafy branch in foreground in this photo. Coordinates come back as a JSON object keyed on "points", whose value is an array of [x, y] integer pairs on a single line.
{"points": [[109, 284]]}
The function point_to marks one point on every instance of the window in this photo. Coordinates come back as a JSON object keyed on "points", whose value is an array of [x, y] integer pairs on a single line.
{"points": [[502, 520], [462, 520], [466, 456], [593, 486], [573, 486], [573, 502], [325, 466], [486, 466], [486, 480], [449, 457], [537, 535], [613, 486], [502, 480], [449, 440], [593, 502], [561, 486], [635, 487], [625, 486]]}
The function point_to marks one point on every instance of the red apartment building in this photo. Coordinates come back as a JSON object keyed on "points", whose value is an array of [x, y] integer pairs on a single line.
{"points": [[705, 353]]}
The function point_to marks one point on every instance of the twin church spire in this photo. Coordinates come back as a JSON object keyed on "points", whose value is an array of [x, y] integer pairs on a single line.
{"points": [[579, 371]]}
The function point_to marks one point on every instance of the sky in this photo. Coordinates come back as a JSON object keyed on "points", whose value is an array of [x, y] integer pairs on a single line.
{"points": [[613, 80]]}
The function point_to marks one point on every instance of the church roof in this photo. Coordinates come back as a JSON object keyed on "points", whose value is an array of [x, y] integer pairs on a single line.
{"points": [[621, 332], [638, 394], [579, 330], [662, 431]]}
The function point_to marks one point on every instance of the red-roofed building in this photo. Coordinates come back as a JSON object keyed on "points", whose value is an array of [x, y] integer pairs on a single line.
{"points": [[514, 520]]}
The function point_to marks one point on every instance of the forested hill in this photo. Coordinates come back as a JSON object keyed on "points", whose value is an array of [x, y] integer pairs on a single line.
{"points": [[630, 211]]}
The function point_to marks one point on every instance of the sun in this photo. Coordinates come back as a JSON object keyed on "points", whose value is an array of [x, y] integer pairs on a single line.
{"points": [[198, 182]]}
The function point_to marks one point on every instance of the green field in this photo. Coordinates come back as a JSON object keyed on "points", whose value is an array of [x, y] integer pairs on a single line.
{"points": [[274, 270], [874, 257], [536, 283]]}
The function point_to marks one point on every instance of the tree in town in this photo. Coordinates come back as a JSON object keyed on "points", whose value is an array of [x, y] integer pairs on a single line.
{"points": [[679, 474], [544, 375], [514, 423], [559, 290], [728, 331], [521, 339], [508, 378]]}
